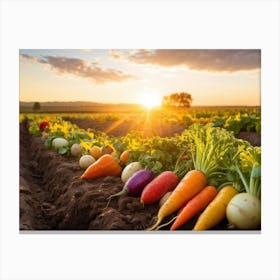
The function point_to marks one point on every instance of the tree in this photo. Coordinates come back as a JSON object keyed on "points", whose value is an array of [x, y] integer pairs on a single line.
{"points": [[36, 106], [177, 100]]}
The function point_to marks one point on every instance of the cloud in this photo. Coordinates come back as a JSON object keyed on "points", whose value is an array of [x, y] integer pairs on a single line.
{"points": [[123, 54], [29, 57], [116, 54], [202, 60], [81, 68]]}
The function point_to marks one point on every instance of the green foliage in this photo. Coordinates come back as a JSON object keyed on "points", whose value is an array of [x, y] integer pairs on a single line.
{"points": [[211, 148]]}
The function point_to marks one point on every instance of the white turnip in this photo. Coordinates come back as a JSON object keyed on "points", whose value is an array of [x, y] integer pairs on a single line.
{"points": [[86, 160], [130, 169], [244, 211], [59, 142]]}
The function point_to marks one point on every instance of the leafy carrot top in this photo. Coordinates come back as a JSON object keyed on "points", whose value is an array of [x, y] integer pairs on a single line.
{"points": [[208, 147]]}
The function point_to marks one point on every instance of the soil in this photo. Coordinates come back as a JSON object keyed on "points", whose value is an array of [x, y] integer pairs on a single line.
{"points": [[252, 137], [158, 128], [52, 197], [121, 128]]}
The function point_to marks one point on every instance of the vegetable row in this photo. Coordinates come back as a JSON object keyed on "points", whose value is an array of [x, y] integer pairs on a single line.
{"points": [[213, 174]]}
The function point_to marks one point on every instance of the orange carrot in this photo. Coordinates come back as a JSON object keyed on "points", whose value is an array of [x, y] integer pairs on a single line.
{"points": [[191, 184], [124, 156], [215, 212], [106, 165], [196, 204]]}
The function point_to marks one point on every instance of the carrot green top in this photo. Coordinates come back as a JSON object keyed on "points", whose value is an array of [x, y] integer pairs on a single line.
{"points": [[208, 146], [241, 167]]}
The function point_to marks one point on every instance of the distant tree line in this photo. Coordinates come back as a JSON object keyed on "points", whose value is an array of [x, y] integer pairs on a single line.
{"points": [[177, 100], [36, 106]]}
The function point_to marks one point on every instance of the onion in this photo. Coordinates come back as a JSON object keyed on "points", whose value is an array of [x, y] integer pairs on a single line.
{"points": [[86, 160], [76, 150], [244, 211]]}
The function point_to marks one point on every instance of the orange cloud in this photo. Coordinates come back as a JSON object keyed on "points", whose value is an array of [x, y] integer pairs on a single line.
{"points": [[116, 54], [81, 68], [207, 60]]}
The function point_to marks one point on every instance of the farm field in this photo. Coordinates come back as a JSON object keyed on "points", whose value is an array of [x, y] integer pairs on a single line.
{"points": [[53, 196], [140, 139]]}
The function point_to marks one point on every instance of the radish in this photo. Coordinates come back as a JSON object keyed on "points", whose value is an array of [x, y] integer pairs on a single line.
{"points": [[86, 160], [130, 169], [156, 189], [135, 183], [76, 150]]}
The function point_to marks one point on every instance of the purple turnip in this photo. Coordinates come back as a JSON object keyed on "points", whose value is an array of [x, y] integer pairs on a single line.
{"points": [[135, 184]]}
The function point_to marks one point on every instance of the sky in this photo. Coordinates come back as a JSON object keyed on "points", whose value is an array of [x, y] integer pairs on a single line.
{"points": [[212, 77]]}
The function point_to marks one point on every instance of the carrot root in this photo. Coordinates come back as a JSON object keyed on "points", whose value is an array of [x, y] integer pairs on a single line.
{"points": [[154, 227], [123, 191], [166, 224]]}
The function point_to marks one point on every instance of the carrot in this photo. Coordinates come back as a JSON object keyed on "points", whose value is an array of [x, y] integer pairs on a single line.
{"points": [[106, 165], [196, 204], [124, 156], [215, 212], [158, 187], [191, 184], [208, 144]]}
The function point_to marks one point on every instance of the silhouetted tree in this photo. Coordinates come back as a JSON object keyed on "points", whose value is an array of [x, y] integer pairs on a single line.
{"points": [[36, 106], [177, 100]]}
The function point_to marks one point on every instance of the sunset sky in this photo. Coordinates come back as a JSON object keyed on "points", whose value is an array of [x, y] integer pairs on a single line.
{"points": [[212, 77]]}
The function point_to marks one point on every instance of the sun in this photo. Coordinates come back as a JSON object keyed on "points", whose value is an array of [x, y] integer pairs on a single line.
{"points": [[150, 100]]}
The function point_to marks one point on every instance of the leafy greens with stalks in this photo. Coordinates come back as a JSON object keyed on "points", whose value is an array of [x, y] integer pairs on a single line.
{"points": [[230, 176], [242, 168], [209, 145], [249, 170]]}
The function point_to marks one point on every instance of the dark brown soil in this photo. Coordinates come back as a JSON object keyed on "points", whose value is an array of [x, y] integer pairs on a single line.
{"points": [[252, 137]]}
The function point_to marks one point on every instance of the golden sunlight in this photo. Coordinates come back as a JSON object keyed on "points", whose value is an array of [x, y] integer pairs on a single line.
{"points": [[150, 100]]}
